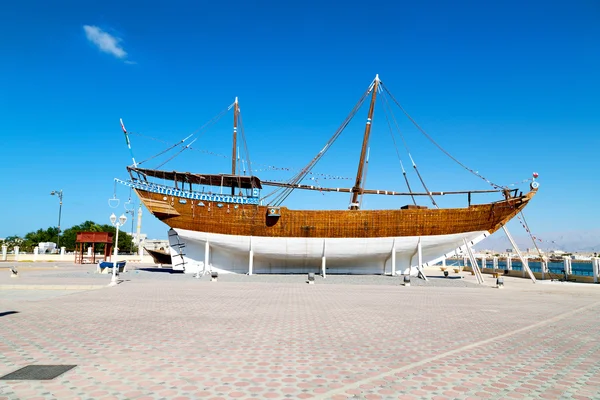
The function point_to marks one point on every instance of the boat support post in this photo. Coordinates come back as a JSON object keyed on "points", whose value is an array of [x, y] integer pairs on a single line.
{"points": [[420, 261], [206, 256], [250, 258], [394, 258], [474, 264], [323, 262], [523, 260], [595, 268]]}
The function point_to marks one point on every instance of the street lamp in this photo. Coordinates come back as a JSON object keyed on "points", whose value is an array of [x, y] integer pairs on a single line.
{"points": [[58, 193], [117, 224]]}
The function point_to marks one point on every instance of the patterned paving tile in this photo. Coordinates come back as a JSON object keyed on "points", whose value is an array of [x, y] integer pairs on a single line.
{"points": [[176, 337]]}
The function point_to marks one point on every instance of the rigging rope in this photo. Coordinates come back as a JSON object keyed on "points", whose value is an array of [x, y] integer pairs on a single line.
{"points": [[213, 121], [408, 151], [266, 167], [164, 151], [435, 143], [302, 174], [526, 226], [245, 143], [176, 154], [396, 148]]}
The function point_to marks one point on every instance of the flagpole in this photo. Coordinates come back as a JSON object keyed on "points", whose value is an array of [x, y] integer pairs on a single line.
{"points": [[128, 143]]}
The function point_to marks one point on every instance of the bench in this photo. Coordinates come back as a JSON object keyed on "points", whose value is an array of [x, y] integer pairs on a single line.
{"points": [[104, 266]]}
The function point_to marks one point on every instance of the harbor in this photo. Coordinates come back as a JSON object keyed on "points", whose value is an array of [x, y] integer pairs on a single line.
{"points": [[587, 271]]}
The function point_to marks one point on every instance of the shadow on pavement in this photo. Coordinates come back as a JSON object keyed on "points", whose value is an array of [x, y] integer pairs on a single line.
{"points": [[164, 270], [5, 313]]}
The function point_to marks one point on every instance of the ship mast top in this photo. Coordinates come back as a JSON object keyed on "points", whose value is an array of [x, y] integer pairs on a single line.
{"points": [[358, 185], [236, 112], [235, 124]]}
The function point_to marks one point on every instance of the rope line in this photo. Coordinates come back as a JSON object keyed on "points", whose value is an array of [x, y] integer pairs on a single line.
{"points": [[396, 147], [435, 143], [526, 226], [212, 121], [300, 175], [265, 167], [409, 154]]}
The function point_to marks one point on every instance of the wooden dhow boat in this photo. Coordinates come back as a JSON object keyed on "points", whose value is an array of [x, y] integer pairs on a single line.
{"points": [[159, 257], [222, 222]]}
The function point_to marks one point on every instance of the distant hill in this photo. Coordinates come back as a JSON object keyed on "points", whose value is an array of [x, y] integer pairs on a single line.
{"points": [[573, 241]]}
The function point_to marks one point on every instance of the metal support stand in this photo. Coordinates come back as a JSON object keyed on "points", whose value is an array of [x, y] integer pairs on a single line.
{"points": [[544, 265], [523, 260], [250, 259], [394, 258], [323, 263], [420, 261], [206, 257], [474, 264], [251, 262]]}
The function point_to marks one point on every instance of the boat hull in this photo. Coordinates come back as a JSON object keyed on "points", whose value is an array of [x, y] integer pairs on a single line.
{"points": [[159, 257], [298, 241], [233, 254]]}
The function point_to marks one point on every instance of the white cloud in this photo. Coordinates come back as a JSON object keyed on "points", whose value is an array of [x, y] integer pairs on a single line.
{"points": [[104, 41]]}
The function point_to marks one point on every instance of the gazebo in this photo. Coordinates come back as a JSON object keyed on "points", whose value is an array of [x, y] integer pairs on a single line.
{"points": [[84, 239]]}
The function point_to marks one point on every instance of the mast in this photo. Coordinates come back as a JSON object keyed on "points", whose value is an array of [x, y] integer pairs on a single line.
{"points": [[356, 190], [234, 150]]}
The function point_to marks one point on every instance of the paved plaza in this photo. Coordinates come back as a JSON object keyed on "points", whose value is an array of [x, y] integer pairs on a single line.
{"points": [[159, 335]]}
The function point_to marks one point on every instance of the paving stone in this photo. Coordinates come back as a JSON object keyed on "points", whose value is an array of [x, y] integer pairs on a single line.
{"points": [[160, 335]]}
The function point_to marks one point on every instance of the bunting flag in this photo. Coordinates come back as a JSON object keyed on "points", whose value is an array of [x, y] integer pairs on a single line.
{"points": [[523, 181]]}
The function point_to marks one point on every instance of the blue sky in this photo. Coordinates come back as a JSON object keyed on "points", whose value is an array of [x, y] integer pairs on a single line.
{"points": [[508, 88]]}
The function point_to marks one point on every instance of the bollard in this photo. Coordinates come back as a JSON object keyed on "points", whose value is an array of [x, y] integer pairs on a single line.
{"points": [[544, 264], [311, 278], [500, 282], [446, 274], [214, 276], [406, 280]]}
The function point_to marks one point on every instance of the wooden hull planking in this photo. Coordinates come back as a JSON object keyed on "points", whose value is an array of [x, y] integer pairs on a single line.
{"points": [[351, 241], [252, 220]]}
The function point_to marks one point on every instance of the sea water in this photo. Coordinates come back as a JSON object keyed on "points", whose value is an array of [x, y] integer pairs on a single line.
{"points": [[581, 268]]}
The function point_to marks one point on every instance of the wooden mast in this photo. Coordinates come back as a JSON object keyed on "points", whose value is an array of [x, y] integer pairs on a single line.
{"points": [[356, 190], [234, 150]]}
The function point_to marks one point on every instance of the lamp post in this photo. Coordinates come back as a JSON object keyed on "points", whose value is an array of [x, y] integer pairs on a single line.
{"points": [[58, 193], [116, 224], [132, 220]]}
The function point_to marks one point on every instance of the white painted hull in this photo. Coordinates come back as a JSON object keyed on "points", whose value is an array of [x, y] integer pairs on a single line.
{"points": [[231, 254]]}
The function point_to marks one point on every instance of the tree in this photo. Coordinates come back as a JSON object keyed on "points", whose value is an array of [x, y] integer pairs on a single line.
{"points": [[69, 236], [33, 239], [13, 241]]}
